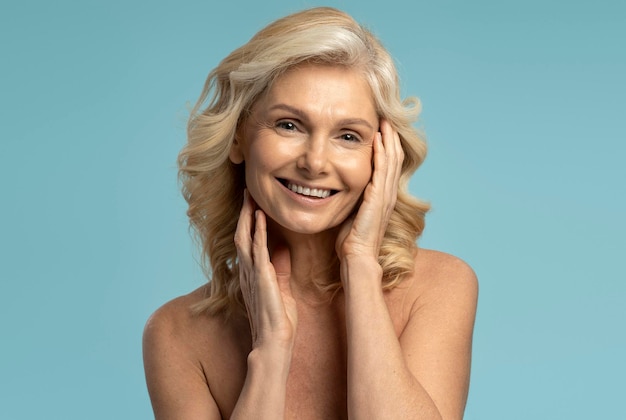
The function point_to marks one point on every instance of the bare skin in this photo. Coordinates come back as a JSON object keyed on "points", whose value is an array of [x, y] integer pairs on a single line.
{"points": [[365, 354], [197, 365]]}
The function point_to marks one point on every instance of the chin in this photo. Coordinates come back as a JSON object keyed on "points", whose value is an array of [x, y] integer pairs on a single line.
{"points": [[302, 228]]}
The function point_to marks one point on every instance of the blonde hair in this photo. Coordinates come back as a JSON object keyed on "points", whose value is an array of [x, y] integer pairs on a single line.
{"points": [[213, 186]]}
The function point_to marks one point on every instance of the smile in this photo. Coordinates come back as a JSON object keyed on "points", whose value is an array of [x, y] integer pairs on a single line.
{"points": [[309, 192]]}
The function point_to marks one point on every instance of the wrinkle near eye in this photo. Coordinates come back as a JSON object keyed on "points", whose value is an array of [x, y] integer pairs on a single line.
{"points": [[255, 121]]}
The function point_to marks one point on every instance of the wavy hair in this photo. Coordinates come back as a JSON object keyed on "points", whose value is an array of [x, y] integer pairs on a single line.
{"points": [[213, 186]]}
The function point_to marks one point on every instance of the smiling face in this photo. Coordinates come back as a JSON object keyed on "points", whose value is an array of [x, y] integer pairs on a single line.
{"points": [[307, 147]]}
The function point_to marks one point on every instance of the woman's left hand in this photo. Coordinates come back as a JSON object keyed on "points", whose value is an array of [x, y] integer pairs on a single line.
{"points": [[362, 234]]}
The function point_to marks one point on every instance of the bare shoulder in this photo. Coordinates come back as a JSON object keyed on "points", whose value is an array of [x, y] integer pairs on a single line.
{"points": [[438, 275], [176, 341], [174, 323], [176, 330], [442, 266], [441, 303]]}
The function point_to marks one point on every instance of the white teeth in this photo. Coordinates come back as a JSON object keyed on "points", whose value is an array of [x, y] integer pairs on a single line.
{"points": [[311, 192]]}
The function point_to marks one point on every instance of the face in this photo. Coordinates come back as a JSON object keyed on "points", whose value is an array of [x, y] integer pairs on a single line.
{"points": [[307, 147]]}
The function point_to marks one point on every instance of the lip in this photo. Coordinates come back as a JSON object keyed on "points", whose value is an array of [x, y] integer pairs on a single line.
{"points": [[285, 181]]}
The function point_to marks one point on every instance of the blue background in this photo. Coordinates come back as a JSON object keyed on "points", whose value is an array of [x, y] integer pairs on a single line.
{"points": [[524, 108]]}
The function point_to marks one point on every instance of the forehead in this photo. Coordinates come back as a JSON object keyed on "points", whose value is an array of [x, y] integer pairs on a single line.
{"points": [[322, 88]]}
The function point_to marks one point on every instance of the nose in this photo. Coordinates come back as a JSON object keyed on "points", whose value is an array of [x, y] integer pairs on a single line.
{"points": [[314, 156]]}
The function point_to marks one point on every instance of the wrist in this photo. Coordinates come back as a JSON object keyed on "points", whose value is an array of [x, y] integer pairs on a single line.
{"points": [[270, 364], [361, 270], [362, 263]]}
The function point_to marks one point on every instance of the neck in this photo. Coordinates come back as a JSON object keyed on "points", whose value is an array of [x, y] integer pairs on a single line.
{"points": [[313, 258]]}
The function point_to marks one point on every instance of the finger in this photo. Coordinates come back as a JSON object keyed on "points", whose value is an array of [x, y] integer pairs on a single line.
{"points": [[380, 162], [387, 133], [389, 139], [396, 166], [264, 273], [394, 155], [260, 257], [260, 253], [399, 159], [243, 231], [243, 243], [271, 308], [389, 153]]}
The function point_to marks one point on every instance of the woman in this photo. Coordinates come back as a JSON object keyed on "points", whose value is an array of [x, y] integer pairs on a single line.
{"points": [[320, 305]]}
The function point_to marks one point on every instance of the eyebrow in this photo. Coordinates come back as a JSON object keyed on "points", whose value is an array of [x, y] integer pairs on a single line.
{"points": [[301, 114]]}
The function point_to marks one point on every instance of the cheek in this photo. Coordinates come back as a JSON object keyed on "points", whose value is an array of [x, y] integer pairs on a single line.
{"points": [[366, 178], [362, 166], [267, 150], [258, 159], [360, 171]]}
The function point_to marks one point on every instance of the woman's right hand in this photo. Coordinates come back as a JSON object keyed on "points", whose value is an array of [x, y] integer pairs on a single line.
{"points": [[264, 284]]}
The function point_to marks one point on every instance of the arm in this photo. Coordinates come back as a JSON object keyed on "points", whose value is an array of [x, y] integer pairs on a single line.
{"points": [[178, 388], [176, 382], [272, 315], [423, 374]]}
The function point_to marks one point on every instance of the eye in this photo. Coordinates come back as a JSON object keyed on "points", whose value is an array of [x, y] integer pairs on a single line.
{"points": [[286, 125], [350, 137]]}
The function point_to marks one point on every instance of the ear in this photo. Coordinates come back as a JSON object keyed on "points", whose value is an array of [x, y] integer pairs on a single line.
{"points": [[236, 152]]}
